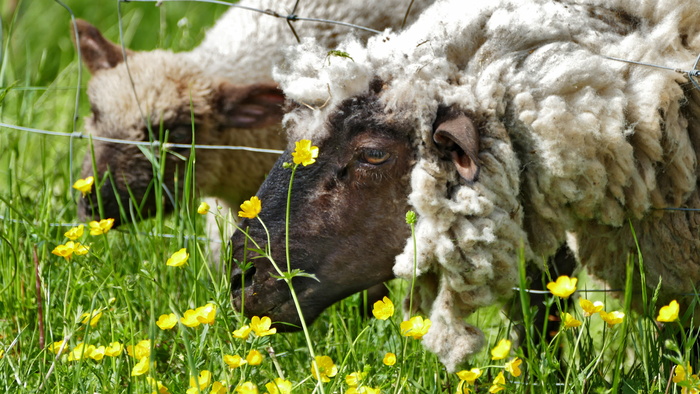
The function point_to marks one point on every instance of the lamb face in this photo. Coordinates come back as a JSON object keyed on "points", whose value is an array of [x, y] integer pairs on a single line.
{"points": [[360, 178], [169, 91], [360, 182]]}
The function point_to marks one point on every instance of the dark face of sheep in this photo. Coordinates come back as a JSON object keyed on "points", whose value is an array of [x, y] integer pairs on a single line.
{"points": [[347, 218], [172, 92]]}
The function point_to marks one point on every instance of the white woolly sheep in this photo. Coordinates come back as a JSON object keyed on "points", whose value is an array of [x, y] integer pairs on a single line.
{"points": [[502, 125], [225, 85]]}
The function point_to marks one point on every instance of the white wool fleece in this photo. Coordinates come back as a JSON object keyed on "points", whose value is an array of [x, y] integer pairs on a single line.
{"points": [[570, 142], [244, 44]]}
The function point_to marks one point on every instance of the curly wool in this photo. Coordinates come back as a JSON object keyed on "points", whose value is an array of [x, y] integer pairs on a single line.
{"points": [[571, 142]]}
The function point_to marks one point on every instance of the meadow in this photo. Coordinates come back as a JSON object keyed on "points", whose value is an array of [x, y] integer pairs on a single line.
{"points": [[102, 311]]}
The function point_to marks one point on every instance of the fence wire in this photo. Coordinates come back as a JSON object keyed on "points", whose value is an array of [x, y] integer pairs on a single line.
{"points": [[692, 74]]}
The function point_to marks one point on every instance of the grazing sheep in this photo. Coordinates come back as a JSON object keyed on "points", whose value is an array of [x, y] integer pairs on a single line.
{"points": [[502, 126], [225, 85]]}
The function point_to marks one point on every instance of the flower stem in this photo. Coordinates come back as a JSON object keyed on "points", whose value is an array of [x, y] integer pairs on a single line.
{"points": [[286, 216]]}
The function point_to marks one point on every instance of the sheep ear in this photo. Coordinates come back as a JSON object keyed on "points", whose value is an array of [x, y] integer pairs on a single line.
{"points": [[456, 136], [252, 106], [97, 52]]}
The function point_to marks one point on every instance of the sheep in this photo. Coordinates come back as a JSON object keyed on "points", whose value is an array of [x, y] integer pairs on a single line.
{"points": [[504, 127], [225, 84]]}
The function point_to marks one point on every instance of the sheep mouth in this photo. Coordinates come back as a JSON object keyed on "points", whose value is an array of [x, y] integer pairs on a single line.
{"points": [[272, 300]]}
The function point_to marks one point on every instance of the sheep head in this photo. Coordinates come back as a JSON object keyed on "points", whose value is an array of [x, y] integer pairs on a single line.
{"points": [[359, 184], [159, 95]]}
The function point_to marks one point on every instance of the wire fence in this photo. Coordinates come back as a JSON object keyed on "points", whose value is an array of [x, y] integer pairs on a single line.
{"points": [[693, 75]]}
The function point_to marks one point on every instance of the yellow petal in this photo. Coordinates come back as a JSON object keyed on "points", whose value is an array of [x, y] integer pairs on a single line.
{"points": [[250, 208], [501, 350], [470, 376], [178, 258], [383, 309], [75, 232], [166, 321], [203, 208], [234, 361], [84, 185], [389, 359], [563, 287], [254, 357], [668, 313], [141, 367]]}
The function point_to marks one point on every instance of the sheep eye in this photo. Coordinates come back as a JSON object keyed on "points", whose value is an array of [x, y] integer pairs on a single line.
{"points": [[181, 134], [375, 156]]}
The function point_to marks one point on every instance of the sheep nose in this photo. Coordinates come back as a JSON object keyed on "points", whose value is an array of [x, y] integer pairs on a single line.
{"points": [[241, 279]]}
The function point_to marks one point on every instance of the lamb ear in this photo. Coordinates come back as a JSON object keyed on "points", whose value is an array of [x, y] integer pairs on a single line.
{"points": [[456, 136], [252, 106], [97, 52]]}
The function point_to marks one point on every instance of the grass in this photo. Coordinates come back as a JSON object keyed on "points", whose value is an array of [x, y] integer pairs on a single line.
{"points": [[124, 275]]}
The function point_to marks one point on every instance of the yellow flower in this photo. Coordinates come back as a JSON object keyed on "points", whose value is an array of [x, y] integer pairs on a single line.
{"points": [[513, 366], [114, 349], [363, 390], [84, 185], [101, 227], [389, 359], [65, 251], [679, 373], [612, 318], [247, 388], [141, 350], [354, 379], [383, 309], [470, 376], [157, 386], [501, 350], [242, 333], [304, 153], [462, 388], [80, 250], [234, 361], [56, 347], [250, 208], [668, 313], [2, 353], [219, 387], [498, 384], [563, 287], [206, 314], [141, 367], [261, 326], [166, 322], [80, 351], [415, 327], [569, 321], [178, 258], [590, 308], [97, 353], [75, 232], [189, 318], [203, 208], [254, 357], [279, 386], [203, 380], [93, 317], [326, 368]]}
